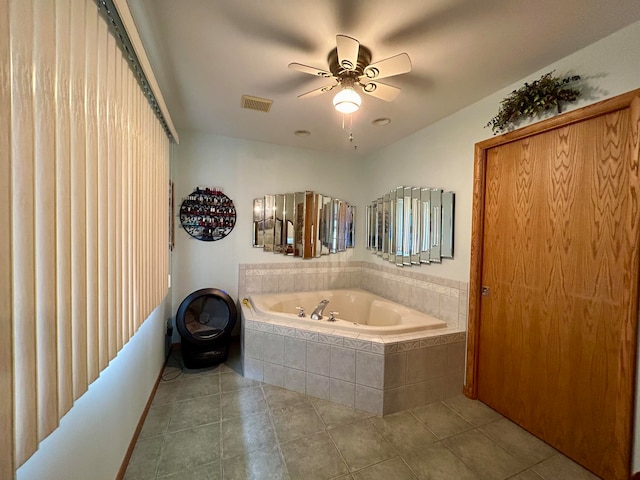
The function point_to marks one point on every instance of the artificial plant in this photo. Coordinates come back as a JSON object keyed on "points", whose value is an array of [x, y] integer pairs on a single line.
{"points": [[534, 98]]}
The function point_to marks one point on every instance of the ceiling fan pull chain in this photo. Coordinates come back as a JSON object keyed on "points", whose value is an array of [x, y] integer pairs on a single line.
{"points": [[350, 121]]}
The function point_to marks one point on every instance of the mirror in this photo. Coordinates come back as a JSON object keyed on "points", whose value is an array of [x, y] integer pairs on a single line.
{"points": [[308, 226], [446, 246], [317, 215], [436, 233], [399, 225], [425, 238], [406, 232], [379, 226], [392, 225], [415, 225], [303, 224], [258, 222], [351, 226], [341, 227], [385, 227], [269, 221], [336, 239], [411, 225], [325, 238], [299, 200], [279, 231], [289, 225]]}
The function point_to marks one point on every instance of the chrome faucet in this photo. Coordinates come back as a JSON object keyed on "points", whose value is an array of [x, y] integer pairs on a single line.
{"points": [[317, 313]]}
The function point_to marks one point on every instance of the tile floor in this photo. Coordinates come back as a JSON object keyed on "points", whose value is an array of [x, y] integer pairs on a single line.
{"points": [[216, 424]]}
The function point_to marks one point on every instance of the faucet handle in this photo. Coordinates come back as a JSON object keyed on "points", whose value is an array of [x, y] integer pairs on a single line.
{"points": [[300, 311], [332, 316]]}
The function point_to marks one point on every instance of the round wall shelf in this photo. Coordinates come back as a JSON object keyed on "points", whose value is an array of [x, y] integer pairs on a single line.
{"points": [[207, 214]]}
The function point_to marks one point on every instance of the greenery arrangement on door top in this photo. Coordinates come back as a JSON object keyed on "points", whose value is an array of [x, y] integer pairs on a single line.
{"points": [[534, 98]]}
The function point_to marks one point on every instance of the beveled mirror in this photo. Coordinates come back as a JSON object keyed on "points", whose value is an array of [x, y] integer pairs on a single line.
{"points": [[289, 223], [399, 236], [279, 239], [303, 224], [379, 226], [446, 246], [411, 225], [385, 226], [425, 236], [416, 225], [436, 226], [269, 222], [258, 222]]}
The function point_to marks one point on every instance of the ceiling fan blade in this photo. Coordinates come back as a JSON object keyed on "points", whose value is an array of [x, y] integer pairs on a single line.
{"points": [[347, 52], [381, 90], [396, 65], [310, 70], [317, 91]]}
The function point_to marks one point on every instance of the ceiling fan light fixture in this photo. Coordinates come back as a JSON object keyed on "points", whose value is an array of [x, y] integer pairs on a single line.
{"points": [[347, 100]]}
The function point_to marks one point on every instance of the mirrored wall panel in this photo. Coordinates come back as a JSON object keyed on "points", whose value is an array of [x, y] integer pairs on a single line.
{"points": [[411, 225], [303, 224]]}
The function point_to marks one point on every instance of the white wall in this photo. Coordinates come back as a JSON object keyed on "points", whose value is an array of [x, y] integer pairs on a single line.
{"points": [[94, 435], [245, 170], [442, 154], [439, 156]]}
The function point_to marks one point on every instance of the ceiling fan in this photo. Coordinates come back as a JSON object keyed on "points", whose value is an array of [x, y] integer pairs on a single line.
{"points": [[350, 66]]}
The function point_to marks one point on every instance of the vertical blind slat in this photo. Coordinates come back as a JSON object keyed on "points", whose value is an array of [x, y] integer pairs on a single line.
{"points": [[78, 201], [112, 291], [103, 200], [126, 285], [23, 244], [45, 195], [91, 161], [120, 185], [6, 346], [134, 206], [63, 206]]}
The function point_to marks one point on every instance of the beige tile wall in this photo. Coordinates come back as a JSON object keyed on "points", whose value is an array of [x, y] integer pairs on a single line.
{"points": [[410, 286], [380, 376]]}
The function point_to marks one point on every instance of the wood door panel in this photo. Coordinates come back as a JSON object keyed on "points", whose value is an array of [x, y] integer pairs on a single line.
{"points": [[558, 258]]}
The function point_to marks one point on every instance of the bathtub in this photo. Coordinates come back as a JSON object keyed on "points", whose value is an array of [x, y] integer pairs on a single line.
{"points": [[359, 311]]}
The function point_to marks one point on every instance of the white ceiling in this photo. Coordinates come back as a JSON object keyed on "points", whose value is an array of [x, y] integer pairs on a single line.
{"points": [[206, 54]]}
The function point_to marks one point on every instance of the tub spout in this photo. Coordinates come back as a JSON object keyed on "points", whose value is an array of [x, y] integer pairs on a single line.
{"points": [[317, 313]]}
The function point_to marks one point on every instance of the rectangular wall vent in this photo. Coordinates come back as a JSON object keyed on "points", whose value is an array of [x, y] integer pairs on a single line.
{"points": [[256, 103]]}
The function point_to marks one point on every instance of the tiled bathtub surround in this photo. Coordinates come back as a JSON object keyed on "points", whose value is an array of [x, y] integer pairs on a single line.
{"points": [[381, 375], [376, 374], [414, 287], [297, 277]]}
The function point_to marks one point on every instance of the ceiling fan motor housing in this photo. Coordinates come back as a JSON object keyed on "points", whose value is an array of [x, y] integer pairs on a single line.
{"points": [[364, 59]]}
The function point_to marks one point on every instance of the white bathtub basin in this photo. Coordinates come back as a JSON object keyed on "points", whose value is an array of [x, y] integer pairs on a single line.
{"points": [[359, 311]]}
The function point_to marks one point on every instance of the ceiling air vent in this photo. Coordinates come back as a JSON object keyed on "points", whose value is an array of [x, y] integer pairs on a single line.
{"points": [[256, 103]]}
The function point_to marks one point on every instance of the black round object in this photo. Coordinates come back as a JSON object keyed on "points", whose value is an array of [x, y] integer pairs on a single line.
{"points": [[207, 214], [205, 320]]}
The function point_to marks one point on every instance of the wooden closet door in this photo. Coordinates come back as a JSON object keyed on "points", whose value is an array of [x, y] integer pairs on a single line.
{"points": [[560, 258]]}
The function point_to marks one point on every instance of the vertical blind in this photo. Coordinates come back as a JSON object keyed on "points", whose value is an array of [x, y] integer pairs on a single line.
{"points": [[84, 174]]}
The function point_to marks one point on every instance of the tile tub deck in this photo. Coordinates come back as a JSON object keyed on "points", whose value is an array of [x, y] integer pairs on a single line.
{"points": [[377, 374]]}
